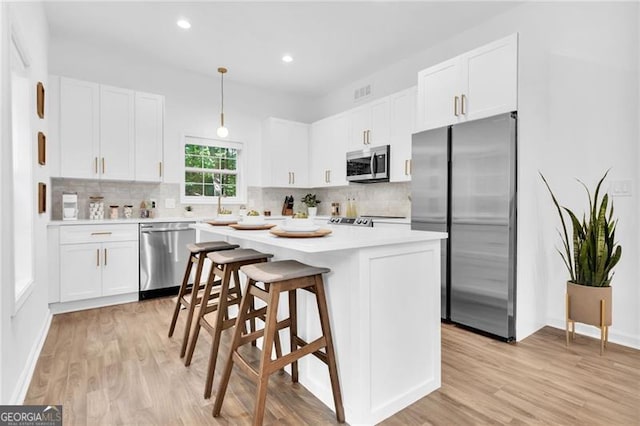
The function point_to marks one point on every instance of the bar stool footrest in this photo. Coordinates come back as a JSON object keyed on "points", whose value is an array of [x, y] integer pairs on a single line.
{"points": [[318, 354], [287, 359]]}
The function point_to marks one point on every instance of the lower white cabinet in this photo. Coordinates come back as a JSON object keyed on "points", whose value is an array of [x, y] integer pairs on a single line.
{"points": [[96, 262]]}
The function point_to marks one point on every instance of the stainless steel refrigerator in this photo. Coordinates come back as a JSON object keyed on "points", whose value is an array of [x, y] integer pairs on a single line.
{"points": [[464, 183]]}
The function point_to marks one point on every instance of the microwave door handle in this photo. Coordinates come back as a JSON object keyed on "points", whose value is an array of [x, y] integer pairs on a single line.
{"points": [[372, 165]]}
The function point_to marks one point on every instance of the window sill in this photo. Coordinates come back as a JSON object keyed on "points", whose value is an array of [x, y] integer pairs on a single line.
{"points": [[224, 202]]}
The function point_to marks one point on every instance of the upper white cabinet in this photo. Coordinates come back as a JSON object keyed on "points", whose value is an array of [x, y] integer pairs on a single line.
{"points": [[327, 154], [477, 84], [149, 113], [369, 125], [402, 126], [109, 132], [285, 147], [117, 151], [79, 128]]}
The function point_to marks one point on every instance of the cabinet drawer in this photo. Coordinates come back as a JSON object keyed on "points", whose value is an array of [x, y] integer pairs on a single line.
{"points": [[98, 233]]}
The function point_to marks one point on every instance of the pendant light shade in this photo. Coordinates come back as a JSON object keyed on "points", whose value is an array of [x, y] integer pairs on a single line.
{"points": [[222, 131]]}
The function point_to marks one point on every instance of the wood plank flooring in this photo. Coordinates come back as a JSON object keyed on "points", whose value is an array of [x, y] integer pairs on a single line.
{"points": [[116, 366]]}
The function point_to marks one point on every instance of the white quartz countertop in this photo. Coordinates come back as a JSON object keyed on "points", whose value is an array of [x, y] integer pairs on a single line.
{"points": [[342, 237], [121, 221]]}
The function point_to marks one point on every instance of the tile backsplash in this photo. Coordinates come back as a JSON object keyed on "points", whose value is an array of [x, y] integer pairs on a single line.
{"points": [[389, 199]]}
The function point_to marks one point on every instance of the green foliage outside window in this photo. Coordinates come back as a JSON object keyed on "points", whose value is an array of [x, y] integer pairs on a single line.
{"points": [[210, 171]]}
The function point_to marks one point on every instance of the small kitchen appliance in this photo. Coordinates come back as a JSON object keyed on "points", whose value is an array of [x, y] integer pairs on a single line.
{"points": [[353, 221], [69, 206], [368, 165]]}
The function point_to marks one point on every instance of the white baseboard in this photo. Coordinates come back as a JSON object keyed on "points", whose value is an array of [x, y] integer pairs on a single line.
{"points": [[20, 391], [99, 302], [624, 339]]}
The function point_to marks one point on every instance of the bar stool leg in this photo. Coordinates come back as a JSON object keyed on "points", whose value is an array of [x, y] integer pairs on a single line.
{"points": [[293, 332], [192, 305], [331, 357], [201, 312], [270, 331], [221, 315], [183, 288], [235, 343]]}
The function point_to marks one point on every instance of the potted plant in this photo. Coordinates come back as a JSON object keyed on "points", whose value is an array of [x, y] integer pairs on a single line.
{"points": [[590, 257], [311, 203], [188, 211]]}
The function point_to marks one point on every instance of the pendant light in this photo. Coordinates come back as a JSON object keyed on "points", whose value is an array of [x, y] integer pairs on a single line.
{"points": [[222, 131]]}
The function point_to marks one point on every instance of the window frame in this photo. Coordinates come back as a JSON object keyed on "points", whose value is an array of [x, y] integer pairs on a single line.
{"points": [[241, 189]]}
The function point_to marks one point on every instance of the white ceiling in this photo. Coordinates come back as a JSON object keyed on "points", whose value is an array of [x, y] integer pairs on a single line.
{"points": [[332, 43]]}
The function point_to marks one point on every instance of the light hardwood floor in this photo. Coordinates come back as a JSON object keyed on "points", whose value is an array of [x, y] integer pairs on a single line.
{"points": [[116, 365]]}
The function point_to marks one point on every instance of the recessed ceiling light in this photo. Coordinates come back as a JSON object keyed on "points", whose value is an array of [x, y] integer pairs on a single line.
{"points": [[287, 58], [184, 24]]}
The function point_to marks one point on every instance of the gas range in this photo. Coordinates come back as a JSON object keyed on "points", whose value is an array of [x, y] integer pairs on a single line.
{"points": [[353, 221]]}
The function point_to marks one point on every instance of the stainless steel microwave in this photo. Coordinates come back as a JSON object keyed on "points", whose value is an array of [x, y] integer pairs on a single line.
{"points": [[368, 165]]}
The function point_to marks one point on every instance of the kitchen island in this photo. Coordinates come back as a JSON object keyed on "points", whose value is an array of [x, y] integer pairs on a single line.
{"points": [[383, 293]]}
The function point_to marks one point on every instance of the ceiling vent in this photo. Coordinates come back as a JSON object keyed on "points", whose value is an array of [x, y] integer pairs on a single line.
{"points": [[361, 93]]}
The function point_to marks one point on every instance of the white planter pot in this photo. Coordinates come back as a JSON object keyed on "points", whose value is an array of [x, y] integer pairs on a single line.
{"points": [[313, 211]]}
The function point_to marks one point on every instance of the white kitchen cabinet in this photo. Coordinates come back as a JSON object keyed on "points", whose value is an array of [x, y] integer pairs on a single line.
{"points": [[474, 85], [285, 150], [327, 152], [110, 133], [402, 126], [80, 271], [117, 150], [97, 261], [149, 113], [79, 129], [369, 125]]}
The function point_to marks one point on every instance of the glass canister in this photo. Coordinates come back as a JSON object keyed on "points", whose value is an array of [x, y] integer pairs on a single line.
{"points": [[96, 208], [113, 212], [128, 211]]}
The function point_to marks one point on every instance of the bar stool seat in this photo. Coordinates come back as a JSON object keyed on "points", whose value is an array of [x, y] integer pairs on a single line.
{"points": [[279, 277], [190, 296], [215, 317]]}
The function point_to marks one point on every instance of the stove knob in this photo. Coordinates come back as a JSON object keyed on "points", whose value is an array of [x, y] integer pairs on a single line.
{"points": [[358, 221]]}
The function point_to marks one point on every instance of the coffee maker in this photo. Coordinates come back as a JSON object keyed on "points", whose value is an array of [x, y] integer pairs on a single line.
{"points": [[69, 206]]}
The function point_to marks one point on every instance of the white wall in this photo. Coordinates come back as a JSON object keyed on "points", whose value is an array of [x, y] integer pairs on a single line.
{"points": [[22, 333], [578, 114], [192, 101]]}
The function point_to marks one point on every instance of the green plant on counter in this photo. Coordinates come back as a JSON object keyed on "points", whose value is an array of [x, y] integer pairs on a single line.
{"points": [[310, 200], [188, 208], [593, 251]]}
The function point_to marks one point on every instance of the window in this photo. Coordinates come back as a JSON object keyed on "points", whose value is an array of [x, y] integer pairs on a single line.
{"points": [[212, 168], [22, 110]]}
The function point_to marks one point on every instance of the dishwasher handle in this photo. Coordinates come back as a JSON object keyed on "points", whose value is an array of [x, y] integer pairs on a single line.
{"points": [[150, 230]]}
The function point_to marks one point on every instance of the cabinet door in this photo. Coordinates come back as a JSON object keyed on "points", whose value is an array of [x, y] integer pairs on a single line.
{"points": [[116, 133], [337, 155], [79, 129], [490, 74], [359, 123], [80, 271], [298, 156], [403, 116], [438, 87], [319, 153], [149, 112], [120, 268], [378, 130]]}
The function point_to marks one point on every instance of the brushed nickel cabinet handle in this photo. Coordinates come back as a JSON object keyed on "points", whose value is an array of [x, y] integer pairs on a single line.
{"points": [[364, 137], [368, 137], [160, 168], [105, 257], [455, 105], [406, 167], [101, 233], [103, 167], [293, 178], [462, 104], [98, 257], [96, 165], [328, 176], [410, 166]]}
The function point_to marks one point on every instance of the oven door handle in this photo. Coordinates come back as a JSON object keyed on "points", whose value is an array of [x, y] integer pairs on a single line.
{"points": [[148, 231]]}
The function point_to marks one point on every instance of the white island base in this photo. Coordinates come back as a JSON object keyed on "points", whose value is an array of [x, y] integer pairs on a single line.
{"points": [[383, 295]]}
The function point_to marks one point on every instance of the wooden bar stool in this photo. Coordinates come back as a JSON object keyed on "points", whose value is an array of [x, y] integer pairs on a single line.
{"points": [[215, 317], [190, 296], [278, 277]]}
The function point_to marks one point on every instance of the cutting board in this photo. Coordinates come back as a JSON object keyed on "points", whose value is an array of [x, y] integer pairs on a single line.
{"points": [[319, 233], [222, 222]]}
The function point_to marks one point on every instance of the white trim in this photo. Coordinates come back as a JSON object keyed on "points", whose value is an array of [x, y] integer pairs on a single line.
{"points": [[22, 386], [624, 339], [99, 302], [22, 297]]}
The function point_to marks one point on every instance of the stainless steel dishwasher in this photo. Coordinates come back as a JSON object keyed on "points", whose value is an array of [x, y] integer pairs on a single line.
{"points": [[163, 257]]}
